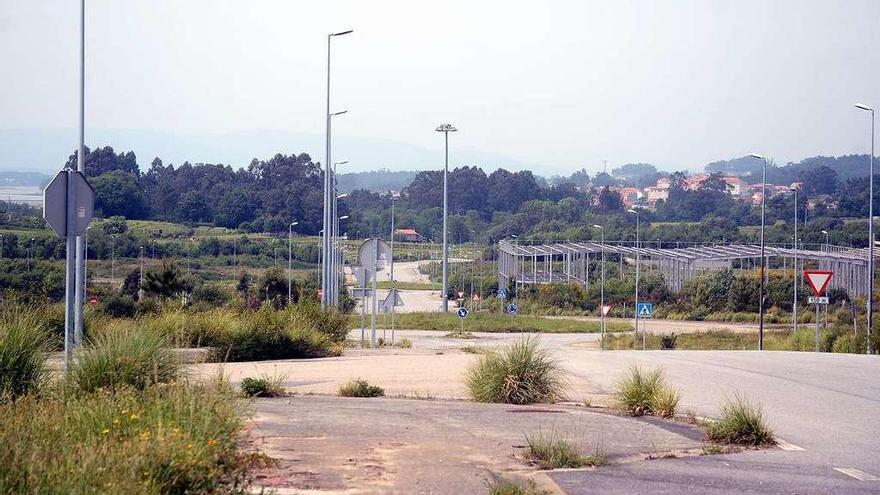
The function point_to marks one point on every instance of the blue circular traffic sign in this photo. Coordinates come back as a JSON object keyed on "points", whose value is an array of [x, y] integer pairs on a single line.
{"points": [[512, 308], [462, 313]]}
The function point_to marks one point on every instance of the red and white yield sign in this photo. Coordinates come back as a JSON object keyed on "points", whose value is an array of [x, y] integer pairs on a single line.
{"points": [[606, 309], [818, 280]]}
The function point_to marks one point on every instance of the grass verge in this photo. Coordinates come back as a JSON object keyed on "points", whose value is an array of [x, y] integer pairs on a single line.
{"points": [[489, 322], [173, 438], [741, 423], [520, 373], [506, 487]]}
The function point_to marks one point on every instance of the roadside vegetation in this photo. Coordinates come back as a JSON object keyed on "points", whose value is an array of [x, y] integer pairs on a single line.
{"points": [[359, 387], [125, 421], [640, 393], [741, 423], [265, 385], [550, 451], [507, 487], [835, 339], [520, 373], [24, 343], [494, 322]]}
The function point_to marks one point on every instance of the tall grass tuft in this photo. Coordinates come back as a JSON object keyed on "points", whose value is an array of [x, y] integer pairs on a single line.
{"points": [[521, 373], [123, 356], [639, 393], [265, 385], [742, 423], [23, 345], [505, 487]]}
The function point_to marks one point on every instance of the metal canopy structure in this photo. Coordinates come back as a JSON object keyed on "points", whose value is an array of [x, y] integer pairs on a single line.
{"points": [[568, 262]]}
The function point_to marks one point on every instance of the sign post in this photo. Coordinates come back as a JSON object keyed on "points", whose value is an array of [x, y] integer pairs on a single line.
{"points": [[818, 280], [502, 294], [68, 207], [605, 310], [462, 314]]}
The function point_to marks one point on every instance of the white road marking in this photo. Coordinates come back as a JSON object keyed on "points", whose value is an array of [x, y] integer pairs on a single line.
{"points": [[782, 444], [859, 475]]}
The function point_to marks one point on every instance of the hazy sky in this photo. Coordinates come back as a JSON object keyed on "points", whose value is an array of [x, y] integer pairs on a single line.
{"points": [[564, 84]]}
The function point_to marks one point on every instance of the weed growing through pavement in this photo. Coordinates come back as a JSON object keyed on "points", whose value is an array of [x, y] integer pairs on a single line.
{"points": [[639, 393], [520, 373], [360, 388], [741, 423]]}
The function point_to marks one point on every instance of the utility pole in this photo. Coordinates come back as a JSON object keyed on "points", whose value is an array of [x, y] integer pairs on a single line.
{"points": [[393, 283]]}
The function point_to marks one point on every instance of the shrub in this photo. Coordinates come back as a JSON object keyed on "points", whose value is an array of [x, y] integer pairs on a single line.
{"points": [[740, 423], [263, 386], [122, 355], [119, 306], [166, 439], [23, 345], [552, 452], [360, 388], [667, 341], [520, 373], [639, 393]]}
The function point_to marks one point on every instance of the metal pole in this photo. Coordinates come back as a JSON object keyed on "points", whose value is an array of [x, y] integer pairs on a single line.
{"points": [[817, 327], [761, 291], [334, 227], [445, 292], [325, 267], [393, 284], [79, 245], [289, 264], [70, 276], [638, 268], [602, 289], [375, 305], [871, 238], [795, 280]]}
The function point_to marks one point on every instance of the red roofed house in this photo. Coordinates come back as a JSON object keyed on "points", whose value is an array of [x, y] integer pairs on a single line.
{"points": [[407, 235]]}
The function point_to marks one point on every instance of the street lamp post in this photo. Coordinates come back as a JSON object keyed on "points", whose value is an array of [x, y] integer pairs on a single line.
{"points": [[602, 288], [638, 263], [445, 129], [325, 265], [794, 319], [870, 227], [290, 261], [763, 261]]}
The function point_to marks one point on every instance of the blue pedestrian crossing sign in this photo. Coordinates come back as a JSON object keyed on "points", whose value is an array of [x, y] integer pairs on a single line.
{"points": [[645, 310], [512, 308], [462, 313], [502, 293]]}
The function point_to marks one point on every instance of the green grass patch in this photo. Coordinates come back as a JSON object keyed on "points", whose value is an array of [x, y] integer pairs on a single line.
{"points": [[725, 340], [174, 438], [553, 452], [741, 423], [489, 322], [639, 393], [360, 388], [520, 373]]}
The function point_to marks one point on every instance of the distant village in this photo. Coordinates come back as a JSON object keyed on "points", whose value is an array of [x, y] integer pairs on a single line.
{"points": [[738, 188]]}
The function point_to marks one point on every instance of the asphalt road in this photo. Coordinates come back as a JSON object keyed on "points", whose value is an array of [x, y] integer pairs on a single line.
{"points": [[825, 404]]}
